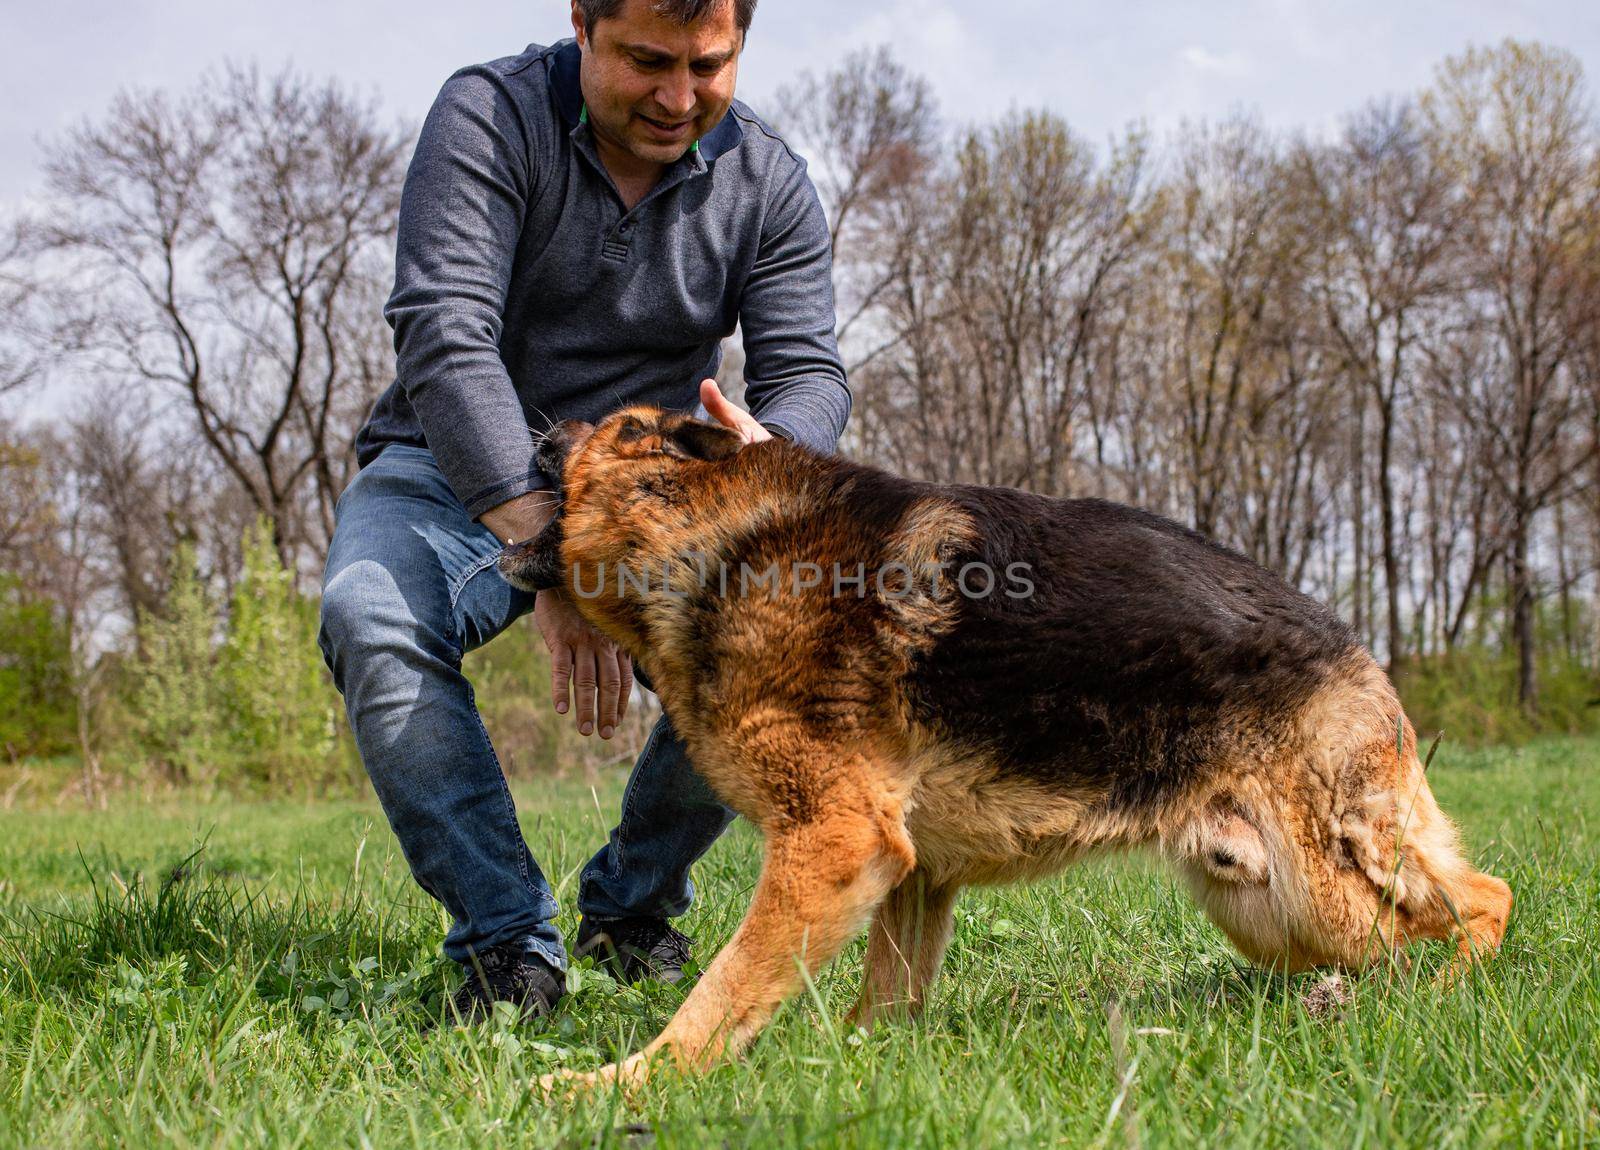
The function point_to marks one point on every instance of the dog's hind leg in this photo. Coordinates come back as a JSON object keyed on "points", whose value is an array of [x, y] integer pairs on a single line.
{"points": [[1353, 869], [1392, 869], [1486, 910], [905, 947]]}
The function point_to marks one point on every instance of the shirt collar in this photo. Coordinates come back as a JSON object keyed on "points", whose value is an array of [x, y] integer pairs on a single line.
{"points": [[565, 59]]}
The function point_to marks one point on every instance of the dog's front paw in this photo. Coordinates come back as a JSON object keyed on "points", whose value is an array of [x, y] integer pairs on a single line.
{"points": [[629, 1075]]}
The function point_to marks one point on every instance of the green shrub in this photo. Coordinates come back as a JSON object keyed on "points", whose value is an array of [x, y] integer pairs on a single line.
{"points": [[243, 699], [511, 681], [1471, 695], [240, 701], [280, 713], [173, 692], [37, 712]]}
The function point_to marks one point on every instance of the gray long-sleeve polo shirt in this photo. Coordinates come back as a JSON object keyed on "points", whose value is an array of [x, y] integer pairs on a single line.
{"points": [[525, 292]]}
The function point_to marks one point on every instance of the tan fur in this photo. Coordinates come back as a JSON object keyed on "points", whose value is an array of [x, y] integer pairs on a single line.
{"points": [[905, 947], [1310, 839]]}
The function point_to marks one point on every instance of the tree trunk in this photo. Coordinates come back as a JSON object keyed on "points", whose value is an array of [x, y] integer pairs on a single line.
{"points": [[1522, 620], [93, 796], [1569, 640], [1359, 513], [1391, 547]]}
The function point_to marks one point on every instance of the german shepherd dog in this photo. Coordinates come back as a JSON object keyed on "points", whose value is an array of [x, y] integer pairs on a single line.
{"points": [[897, 732]]}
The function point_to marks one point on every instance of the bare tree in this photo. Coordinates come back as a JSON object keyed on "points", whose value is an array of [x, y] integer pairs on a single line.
{"points": [[1584, 323], [869, 128], [44, 552], [78, 589], [996, 272], [134, 507], [1516, 122], [19, 359], [1387, 213], [1228, 252], [227, 248], [27, 510]]}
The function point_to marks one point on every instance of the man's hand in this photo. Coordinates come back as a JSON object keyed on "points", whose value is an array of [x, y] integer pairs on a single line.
{"points": [[725, 413], [583, 659], [580, 657]]}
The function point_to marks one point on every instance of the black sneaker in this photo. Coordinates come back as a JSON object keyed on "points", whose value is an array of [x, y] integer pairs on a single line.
{"points": [[635, 949], [508, 973]]}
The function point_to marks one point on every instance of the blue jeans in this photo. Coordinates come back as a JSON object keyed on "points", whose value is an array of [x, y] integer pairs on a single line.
{"points": [[409, 588]]}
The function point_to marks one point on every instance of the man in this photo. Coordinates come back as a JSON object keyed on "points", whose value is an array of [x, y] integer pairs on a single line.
{"points": [[581, 226]]}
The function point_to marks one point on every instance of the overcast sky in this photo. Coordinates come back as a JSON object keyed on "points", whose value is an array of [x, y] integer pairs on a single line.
{"points": [[1101, 65]]}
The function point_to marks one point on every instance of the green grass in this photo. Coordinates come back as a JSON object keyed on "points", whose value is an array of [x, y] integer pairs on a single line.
{"points": [[183, 973]]}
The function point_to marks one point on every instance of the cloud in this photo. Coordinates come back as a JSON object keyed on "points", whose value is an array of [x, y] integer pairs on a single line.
{"points": [[935, 38], [1220, 64]]}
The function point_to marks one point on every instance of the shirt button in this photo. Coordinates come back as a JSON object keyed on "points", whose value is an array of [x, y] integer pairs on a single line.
{"points": [[625, 228]]}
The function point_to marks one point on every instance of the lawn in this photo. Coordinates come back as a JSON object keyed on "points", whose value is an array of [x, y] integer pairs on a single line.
{"points": [[179, 972]]}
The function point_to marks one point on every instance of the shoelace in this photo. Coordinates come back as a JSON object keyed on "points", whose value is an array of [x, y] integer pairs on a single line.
{"points": [[505, 970], [666, 944]]}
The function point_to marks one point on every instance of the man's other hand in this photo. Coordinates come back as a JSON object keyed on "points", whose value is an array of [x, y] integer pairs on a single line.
{"points": [[725, 413], [581, 659], [583, 662]]}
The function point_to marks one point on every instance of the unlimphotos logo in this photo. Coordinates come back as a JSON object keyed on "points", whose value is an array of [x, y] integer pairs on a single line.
{"points": [[694, 573]]}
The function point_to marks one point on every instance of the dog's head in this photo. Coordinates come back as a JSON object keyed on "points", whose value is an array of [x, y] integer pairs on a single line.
{"points": [[615, 480]]}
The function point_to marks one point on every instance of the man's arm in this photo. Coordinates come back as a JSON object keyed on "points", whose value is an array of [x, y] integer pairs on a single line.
{"points": [[794, 379], [461, 217], [460, 221]]}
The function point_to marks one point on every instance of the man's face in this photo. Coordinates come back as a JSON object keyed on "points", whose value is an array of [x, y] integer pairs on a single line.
{"points": [[654, 86]]}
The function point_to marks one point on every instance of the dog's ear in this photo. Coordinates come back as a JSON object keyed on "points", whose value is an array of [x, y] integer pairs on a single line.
{"points": [[696, 439], [535, 564]]}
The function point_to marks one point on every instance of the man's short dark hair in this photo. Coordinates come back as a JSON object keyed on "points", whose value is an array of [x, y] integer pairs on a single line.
{"points": [[683, 11]]}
